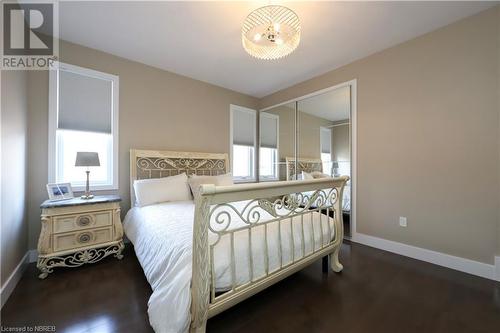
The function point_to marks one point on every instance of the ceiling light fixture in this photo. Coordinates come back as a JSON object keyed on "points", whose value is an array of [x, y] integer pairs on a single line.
{"points": [[271, 32]]}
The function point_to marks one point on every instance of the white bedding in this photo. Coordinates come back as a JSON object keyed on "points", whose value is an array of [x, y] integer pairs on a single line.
{"points": [[346, 198], [162, 238]]}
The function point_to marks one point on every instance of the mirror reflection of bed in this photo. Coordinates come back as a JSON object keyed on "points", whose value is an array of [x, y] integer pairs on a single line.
{"points": [[307, 138]]}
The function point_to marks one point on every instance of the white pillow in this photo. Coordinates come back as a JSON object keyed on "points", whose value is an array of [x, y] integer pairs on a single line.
{"points": [[306, 176], [319, 174], [151, 191], [196, 181]]}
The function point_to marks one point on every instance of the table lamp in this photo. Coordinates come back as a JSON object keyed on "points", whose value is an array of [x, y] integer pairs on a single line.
{"points": [[87, 159], [335, 167]]}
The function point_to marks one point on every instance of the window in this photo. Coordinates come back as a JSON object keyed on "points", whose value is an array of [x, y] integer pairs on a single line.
{"points": [[243, 162], [268, 164], [243, 142], [326, 149], [268, 153], [83, 116]]}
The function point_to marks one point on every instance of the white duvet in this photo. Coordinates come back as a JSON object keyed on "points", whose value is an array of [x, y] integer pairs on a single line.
{"points": [[162, 238]]}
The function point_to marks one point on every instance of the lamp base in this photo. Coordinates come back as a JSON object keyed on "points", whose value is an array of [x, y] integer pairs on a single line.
{"points": [[87, 194]]}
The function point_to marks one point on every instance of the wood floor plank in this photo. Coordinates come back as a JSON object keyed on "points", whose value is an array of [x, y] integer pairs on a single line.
{"points": [[376, 292]]}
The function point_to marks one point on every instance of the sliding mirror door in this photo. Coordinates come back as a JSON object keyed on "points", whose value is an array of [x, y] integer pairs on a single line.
{"points": [[324, 140], [277, 141]]}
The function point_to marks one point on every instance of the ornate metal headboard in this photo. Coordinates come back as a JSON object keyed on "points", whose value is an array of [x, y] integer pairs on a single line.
{"points": [[147, 164], [303, 164]]}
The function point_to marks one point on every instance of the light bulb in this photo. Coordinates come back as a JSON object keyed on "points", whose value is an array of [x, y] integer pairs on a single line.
{"points": [[279, 41], [276, 26], [257, 37]]}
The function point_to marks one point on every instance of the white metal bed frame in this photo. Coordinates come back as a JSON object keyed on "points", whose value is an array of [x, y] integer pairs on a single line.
{"points": [[284, 200]]}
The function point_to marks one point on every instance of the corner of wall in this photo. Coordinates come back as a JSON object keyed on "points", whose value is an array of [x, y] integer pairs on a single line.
{"points": [[13, 279], [497, 268], [14, 184], [497, 259], [37, 149]]}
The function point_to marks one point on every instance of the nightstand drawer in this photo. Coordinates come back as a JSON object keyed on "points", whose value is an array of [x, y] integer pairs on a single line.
{"points": [[82, 238], [67, 223]]}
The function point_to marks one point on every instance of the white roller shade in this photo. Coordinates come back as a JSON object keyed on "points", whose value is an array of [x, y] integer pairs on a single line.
{"points": [[85, 102], [268, 130], [326, 140], [244, 127]]}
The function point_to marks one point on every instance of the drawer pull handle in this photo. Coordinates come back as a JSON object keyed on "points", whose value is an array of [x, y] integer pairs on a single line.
{"points": [[85, 238], [84, 221]]}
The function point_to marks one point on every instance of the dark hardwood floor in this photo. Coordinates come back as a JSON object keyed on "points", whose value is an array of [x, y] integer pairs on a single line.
{"points": [[377, 292]]}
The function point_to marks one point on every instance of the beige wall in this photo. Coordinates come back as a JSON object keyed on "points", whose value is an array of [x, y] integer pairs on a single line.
{"points": [[309, 135], [428, 137], [340, 143], [498, 84], [14, 115], [158, 110]]}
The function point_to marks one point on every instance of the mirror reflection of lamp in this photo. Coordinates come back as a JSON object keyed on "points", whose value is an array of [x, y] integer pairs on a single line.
{"points": [[87, 159], [335, 169]]}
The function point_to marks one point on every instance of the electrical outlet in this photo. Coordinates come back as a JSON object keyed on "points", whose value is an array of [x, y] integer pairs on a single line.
{"points": [[403, 222]]}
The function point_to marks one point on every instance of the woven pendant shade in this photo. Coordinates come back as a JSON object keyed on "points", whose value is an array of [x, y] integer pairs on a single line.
{"points": [[271, 32]]}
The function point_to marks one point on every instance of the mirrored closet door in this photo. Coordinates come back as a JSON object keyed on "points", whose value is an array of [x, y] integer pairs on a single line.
{"points": [[309, 138], [324, 140]]}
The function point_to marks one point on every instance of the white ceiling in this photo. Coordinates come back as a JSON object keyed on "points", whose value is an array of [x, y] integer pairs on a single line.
{"points": [[333, 105], [202, 40]]}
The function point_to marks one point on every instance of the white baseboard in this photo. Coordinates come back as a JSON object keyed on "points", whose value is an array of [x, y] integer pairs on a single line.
{"points": [[460, 264], [497, 265], [14, 278]]}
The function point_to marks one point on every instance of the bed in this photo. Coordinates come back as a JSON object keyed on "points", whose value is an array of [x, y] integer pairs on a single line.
{"points": [[204, 256], [295, 166], [310, 165]]}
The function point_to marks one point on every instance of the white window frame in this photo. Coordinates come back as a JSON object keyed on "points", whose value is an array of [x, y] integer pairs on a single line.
{"points": [[264, 114], [232, 109], [53, 114]]}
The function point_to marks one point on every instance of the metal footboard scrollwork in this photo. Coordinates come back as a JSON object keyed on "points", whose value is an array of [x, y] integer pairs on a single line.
{"points": [[247, 237]]}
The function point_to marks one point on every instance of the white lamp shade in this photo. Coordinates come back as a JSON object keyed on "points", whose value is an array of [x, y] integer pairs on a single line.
{"points": [[87, 159]]}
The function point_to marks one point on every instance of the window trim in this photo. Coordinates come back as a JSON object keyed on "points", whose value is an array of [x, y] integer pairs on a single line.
{"points": [[232, 109], [264, 114], [53, 111]]}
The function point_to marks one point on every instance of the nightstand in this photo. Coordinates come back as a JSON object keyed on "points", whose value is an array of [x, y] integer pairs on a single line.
{"points": [[76, 232]]}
